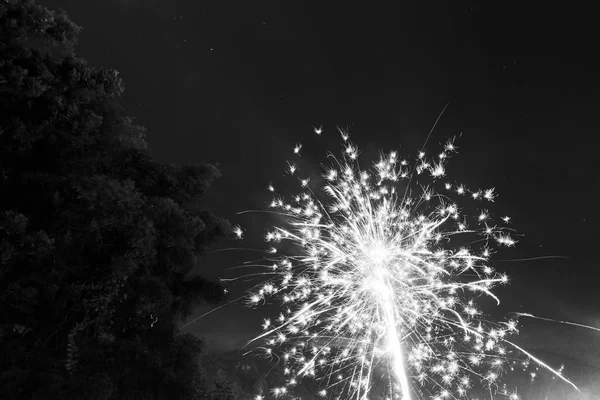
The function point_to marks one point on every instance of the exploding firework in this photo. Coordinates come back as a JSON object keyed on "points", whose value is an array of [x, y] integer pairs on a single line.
{"points": [[378, 294]]}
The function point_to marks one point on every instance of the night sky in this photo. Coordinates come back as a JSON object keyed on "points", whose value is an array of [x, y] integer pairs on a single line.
{"points": [[239, 83]]}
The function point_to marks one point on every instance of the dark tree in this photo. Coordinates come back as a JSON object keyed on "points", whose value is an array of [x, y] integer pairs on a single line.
{"points": [[97, 239]]}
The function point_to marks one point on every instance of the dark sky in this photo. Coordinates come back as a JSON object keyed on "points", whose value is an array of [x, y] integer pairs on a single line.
{"points": [[239, 83]]}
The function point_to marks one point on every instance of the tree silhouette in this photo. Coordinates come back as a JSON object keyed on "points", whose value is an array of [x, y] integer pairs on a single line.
{"points": [[97, 239]]}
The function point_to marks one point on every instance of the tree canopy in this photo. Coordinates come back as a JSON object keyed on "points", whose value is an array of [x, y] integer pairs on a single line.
{"points": [[97, 239]]}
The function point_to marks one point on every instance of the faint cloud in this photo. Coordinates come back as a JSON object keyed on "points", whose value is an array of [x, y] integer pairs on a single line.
{"points": [[218, 342]]}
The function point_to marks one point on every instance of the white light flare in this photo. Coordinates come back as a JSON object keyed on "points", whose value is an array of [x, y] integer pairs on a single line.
{"points": [[379, 279]]}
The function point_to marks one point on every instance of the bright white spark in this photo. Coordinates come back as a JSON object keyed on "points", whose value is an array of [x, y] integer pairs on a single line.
{"points": [[237, 230], [381, 289]]}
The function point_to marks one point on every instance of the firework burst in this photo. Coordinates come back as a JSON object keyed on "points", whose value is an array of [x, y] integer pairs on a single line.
{"points": [[380, 293]]}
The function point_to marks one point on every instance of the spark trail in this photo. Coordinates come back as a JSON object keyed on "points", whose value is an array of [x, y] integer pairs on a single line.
{"points": [[378, 295]]}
